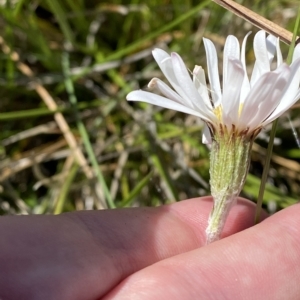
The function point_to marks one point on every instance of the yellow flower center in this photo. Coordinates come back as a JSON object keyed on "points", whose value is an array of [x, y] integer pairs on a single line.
{"points": [[240, 108], [218, 112]]}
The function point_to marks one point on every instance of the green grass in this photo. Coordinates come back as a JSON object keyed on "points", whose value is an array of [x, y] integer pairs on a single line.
{"points": [[146, 156]]}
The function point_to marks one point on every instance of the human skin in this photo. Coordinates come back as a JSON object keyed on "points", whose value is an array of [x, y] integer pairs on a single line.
{"points": [[150, 253]]}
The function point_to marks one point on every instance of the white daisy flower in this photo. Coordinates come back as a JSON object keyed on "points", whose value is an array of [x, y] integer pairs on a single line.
{"points": [[235, 113]]}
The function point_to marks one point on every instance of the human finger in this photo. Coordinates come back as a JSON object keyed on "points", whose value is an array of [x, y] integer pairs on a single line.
{"points": [[83, 255], [132, 239]]}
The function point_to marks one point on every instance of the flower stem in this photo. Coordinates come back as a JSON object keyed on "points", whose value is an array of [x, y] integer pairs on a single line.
{"points": [[265, 173], [229, 164]]}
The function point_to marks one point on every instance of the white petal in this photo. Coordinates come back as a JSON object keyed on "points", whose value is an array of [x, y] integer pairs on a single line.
{"points": [[269, 105], [281, 109], [188, 86], [289, 94], [200, 84], [263, 98], [294, 79], [279, 54], [164, 61], [160, 55], [264, 50], [231, 93], [246, 84], [231, 50], [163, 102], [243, 51], [213, 72], [206, 136], [260, 50], [296, 53], [271, 43], [167, 91]]}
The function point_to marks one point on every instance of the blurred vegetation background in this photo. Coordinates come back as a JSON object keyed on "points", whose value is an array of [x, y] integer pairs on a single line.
{"points": [[71, 141]]}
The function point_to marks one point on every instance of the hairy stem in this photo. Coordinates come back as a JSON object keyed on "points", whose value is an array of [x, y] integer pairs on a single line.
{"points": [[229, 164]]}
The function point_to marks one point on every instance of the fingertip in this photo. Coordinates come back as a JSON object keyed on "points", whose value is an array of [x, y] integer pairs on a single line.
{"points": [[241, 217], [261, 261], [195, 213]]}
